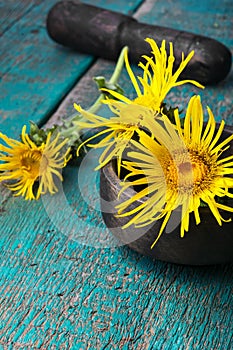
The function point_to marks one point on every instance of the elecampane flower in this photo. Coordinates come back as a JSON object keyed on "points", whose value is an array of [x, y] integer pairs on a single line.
{"points": [[158, 77], [131, 115], [117, 131], [24, 163], [179, 170]]}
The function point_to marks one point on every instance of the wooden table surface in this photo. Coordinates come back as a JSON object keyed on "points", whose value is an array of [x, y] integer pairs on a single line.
{"points": [[61, 286]]}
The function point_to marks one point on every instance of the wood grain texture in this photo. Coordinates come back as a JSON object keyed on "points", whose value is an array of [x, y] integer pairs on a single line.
{"points": [[11, 12], [57, 293], [36, 74], [59, 287]]}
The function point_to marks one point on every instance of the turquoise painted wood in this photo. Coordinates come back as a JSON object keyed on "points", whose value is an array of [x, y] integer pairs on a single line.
{"points": [[64, 284], [36, 74]]}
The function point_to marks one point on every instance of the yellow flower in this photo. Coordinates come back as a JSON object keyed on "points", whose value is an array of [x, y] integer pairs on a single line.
{"points": [[24, 163], [117, 131], [131, 115], [158, 77], [179, 168]]}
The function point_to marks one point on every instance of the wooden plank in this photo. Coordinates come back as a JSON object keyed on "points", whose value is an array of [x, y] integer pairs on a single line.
{"points": [[11, 11], [56, 293], [37, 73], [63, 293], [34, 76]]}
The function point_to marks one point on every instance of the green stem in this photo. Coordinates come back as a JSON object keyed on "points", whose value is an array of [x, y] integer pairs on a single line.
{"points": [[70, 129], [120, 63], [113, 80]]}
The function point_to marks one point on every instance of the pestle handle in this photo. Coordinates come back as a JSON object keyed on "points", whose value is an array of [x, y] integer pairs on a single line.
{"points": [[103, 33]]}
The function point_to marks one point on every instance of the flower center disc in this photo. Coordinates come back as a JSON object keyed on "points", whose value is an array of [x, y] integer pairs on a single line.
{"points": [[33, 163], [189, 172]]}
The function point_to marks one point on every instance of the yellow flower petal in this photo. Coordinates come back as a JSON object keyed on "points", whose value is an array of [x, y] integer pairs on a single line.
{"points": [[187, 170]]}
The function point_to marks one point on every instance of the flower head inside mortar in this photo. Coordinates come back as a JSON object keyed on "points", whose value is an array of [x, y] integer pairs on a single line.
{"points": [[174, 163]]}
